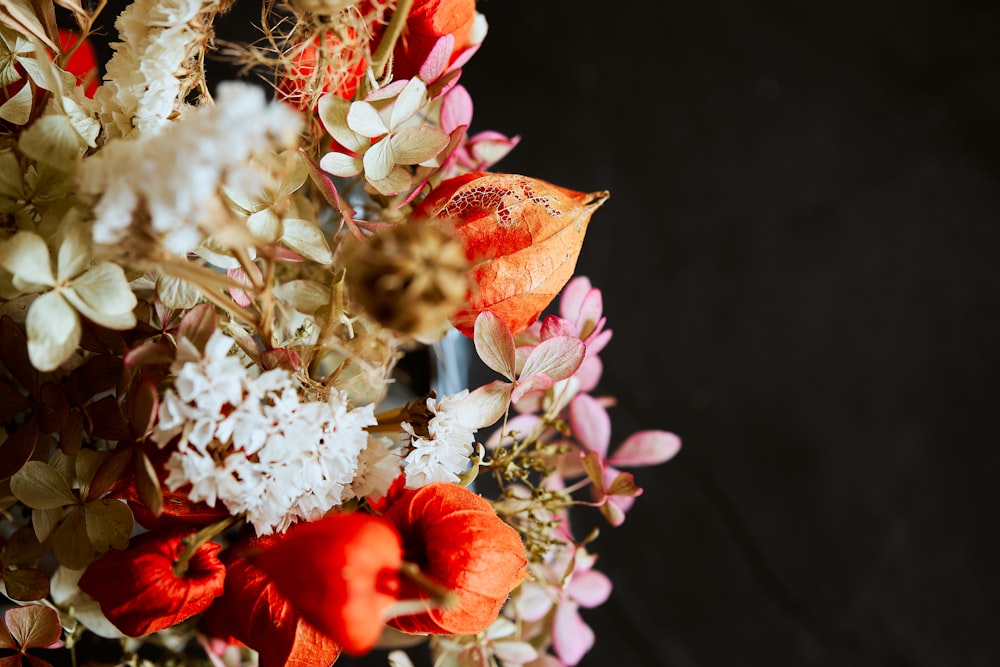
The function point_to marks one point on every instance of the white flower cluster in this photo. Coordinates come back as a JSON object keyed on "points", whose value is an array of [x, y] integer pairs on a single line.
{"points": [[192, 159], [445, 454], [142, 87], [253, 444]]}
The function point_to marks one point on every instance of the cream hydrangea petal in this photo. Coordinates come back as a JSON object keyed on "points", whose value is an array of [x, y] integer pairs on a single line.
{"points": [[74, 252], [265, 225], [17, 109], [53, 329], [364, 119], [103, 295], [416, 144], [333, 112], [340, 164], [408, 102], [305, 238], [27, 257], [52, 139], [379, 160], [398, 180]]}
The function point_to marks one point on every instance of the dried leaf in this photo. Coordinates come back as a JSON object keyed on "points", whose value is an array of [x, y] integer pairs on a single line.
{"points": [[34, 626], [522, 237], [26, 584]]}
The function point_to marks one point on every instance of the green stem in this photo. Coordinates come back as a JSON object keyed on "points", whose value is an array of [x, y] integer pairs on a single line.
{"points": [[392, 32], [192, 542]]}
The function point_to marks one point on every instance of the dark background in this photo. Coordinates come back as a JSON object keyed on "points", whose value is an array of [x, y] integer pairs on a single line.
{"points": [[798, 263]]}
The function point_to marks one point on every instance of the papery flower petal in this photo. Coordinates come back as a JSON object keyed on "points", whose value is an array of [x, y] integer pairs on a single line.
{"points": [[26, 255], [408, 103], [395, 182], [53, 329], [557, 357], [333, 112], [646, 448], [571, 637], [138, 590], [339, 573], [533, 382], [437, 60], [589, 588], [413, 145], [588, 375], [553, 326], [514, 652], [102, 294], [33, 626], [305, 238], [590, 424], [379, 160], [573, 295], [364, 119], [74, 252], [456, 109], [462, 545], [265, 225], [341, 164], [494, 344], [533, 601], [485, 405]]}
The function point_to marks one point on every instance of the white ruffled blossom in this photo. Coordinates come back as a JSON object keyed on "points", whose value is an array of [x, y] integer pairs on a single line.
{"points": [[379, 464], [446, 452], [176, 176], [253, 443], [142, 88], [68, 286]]}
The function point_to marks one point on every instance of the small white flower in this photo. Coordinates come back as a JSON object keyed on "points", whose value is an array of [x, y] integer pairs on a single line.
{"points": [[446, 453]]}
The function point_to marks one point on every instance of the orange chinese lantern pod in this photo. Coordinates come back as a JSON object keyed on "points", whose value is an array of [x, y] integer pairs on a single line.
{"points": [[460, 544], [339, 574], [522, 237], [83, 63], [138, 590], [253, 611], [330, 66]]}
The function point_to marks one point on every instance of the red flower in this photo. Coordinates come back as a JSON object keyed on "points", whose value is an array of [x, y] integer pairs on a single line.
{"points": [[253, 612], [302, 85], [138, 590], [459, 543], [339, 574]]}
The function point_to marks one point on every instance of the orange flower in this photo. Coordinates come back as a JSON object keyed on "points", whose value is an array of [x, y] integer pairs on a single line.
{"points": [[521, 235], [138, 590], [339, 574], [460, 544], [253, 612]]}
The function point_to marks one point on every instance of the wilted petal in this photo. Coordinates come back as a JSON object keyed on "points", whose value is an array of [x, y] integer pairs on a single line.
{"points": [[553, 326], [437, 60], [364, 119], [398, 180], [54, 331], [305, 238], [408, 102], [27, 257], [333, 111], [485, 405], [590, 424], [494, 343], [571, 637], [646, 448], [557, 357], [416, 144], [341, 164], [589, 588], [34, 626]]}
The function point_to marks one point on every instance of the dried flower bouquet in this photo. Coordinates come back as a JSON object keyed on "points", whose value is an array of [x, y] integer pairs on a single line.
{"points": [[205, 299]]}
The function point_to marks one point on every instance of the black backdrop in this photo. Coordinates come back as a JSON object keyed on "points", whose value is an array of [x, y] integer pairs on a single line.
{"points": [[798, 262]]}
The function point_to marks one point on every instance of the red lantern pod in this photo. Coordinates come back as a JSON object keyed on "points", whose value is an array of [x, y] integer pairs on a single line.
{"points": [[138, 590], [460, 544], [522, 237]]}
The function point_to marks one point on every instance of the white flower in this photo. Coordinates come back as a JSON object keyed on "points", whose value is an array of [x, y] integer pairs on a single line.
{"points": [[398, 140], [70, 287], [378, 465], [177, 175], [447, 450]]}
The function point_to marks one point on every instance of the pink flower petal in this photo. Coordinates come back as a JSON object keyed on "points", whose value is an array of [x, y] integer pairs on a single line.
{"points": [[589, 588], [589, 373], [557, 357], [521, 426], [437, 60], [535, 382], [646, 448], [553, 326], [590, 424], [571, 637], [573, 294], [533, 602], [485, 405], [456, 109]]}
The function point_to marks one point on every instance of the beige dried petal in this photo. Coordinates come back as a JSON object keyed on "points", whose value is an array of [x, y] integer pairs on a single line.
{"points": [[109, 524], [39, 486]]}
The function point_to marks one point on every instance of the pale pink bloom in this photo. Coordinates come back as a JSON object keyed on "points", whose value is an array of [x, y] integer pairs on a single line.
{"points": [[613, 489], [550, 361], [567, 582]]}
